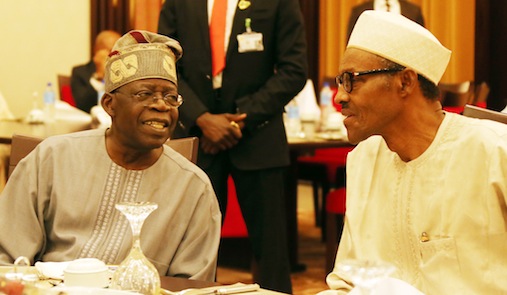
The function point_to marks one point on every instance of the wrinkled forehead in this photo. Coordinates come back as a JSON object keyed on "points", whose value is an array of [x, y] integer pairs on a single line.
{"points": [[355, 60]]}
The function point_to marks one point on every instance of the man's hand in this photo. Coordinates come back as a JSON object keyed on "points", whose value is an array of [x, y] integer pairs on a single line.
{"points": [[100, 63], [220, 131]]}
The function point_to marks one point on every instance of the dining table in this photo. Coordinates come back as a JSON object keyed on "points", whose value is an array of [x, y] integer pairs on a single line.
{"points": [[169, 285], [67, 119]]}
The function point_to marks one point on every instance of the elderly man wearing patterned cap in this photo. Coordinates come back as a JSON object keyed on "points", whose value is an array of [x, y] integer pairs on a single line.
{"points": [[59, 203], [426, 189]]}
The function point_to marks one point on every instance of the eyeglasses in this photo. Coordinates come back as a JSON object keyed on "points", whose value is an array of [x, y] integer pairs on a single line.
{"points": [[346, 79], [149, 97]]}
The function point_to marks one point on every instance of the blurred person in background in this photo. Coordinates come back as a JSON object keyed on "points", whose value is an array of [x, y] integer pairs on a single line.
{"points": [[403, 7], [87, 80]]}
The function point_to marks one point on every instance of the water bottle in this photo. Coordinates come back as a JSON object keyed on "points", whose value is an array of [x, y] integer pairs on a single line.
{"points": [[100, 93], [293, 120], [49, 103], [326, 106]]}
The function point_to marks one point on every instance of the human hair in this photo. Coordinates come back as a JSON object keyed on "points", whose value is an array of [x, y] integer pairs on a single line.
{"points": [[428, 88]]}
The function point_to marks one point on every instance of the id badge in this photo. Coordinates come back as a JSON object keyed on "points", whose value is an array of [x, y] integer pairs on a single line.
{"points": [[249, 42]]}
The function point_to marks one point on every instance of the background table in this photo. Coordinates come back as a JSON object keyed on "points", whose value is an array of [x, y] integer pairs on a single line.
{"points": [[68, 119]]}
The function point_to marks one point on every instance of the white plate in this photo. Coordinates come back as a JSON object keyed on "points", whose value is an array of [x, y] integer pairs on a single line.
{"points": [[86, 291]]}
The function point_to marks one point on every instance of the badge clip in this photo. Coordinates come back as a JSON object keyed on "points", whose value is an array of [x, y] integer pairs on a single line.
{"points": [[244, 4]]}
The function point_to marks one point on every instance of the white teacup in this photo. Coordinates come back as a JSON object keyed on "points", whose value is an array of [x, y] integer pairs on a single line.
{"points": [[87, 272]]}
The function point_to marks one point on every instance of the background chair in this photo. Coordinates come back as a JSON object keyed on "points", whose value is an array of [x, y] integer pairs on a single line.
{"points": [[187, 146], [481, 94], [320, 169], [22, 145], [454, 96], [65, 90]]}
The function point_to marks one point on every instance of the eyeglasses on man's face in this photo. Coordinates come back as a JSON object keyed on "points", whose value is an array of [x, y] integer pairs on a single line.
{"points": [[346, 79], [149, 97]]}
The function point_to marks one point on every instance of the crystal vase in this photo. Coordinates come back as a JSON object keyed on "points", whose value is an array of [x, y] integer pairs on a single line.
{"points": [[136, 272], [364, 274]]}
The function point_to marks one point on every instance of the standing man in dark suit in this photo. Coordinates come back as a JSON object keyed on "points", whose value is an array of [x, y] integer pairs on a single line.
{"points": [[237, 113], [403, 7], [86, 80]]}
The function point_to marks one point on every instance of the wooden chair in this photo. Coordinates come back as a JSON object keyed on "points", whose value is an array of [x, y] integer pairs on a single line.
{"points": [[65, 90], [454, 96], [22, 145], [481, 94], [187, 146]]}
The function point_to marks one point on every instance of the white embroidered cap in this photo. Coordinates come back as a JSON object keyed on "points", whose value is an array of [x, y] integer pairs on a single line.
{"points": [[400, 40], [141, 55]]}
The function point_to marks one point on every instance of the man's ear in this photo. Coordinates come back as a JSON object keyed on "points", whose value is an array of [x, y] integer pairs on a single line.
{"points": [[408, 81], [107, 103]]}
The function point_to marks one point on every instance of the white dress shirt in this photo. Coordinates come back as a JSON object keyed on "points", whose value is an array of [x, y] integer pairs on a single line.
{"points": [[231, 9], [394, 5]]}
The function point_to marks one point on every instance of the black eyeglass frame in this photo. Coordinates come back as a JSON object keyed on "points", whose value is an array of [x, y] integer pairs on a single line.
{"points": [[170, 100], [347, 78]]}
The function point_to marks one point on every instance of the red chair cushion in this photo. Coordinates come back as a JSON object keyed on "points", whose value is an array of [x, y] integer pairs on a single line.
{"points": [[482, 104], [332, 158], [234, 224], [457, 110], [336, 201], [67, 95]]}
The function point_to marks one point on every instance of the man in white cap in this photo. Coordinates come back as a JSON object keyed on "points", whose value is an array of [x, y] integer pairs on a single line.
{"points": [[59, 203], [426, 189]]}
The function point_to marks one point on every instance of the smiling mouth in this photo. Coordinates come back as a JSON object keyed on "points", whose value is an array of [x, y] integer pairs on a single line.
{"points": [[156, 125]]}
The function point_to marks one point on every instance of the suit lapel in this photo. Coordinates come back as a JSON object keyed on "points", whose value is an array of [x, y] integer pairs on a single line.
{"points": [[201, 7]]}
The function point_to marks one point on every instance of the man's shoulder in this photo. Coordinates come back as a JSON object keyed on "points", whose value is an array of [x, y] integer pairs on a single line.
{"points": [[84, 68], [479, 128], [92, 136]]}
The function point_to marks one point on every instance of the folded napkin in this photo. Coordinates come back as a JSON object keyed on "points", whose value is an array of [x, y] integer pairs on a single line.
{"points": [[237, 288], [51, 270]]}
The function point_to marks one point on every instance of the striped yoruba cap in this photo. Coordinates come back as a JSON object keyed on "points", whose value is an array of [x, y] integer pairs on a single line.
{"points": [[402, 41], [141, 55]]}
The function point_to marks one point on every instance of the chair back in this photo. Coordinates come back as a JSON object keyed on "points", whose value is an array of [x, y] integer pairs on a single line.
{"points": [[456, 94], [65, 90], [22, 145], [482, 113], [187, 146]]}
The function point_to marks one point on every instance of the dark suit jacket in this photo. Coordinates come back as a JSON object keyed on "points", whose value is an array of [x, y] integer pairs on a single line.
{"points": [[83, 92], [409, 10], [257, 83]]}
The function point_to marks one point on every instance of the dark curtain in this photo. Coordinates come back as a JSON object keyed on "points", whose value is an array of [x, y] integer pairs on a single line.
{"points": [[490, 49], [310, 9], [109, 15]]}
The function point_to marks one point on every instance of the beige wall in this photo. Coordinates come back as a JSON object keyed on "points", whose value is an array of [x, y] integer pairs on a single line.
{"points": [[40, 39]]}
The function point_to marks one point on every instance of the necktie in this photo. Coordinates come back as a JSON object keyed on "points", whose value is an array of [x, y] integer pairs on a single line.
{"points": [[388, 6], [217, 36]]}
